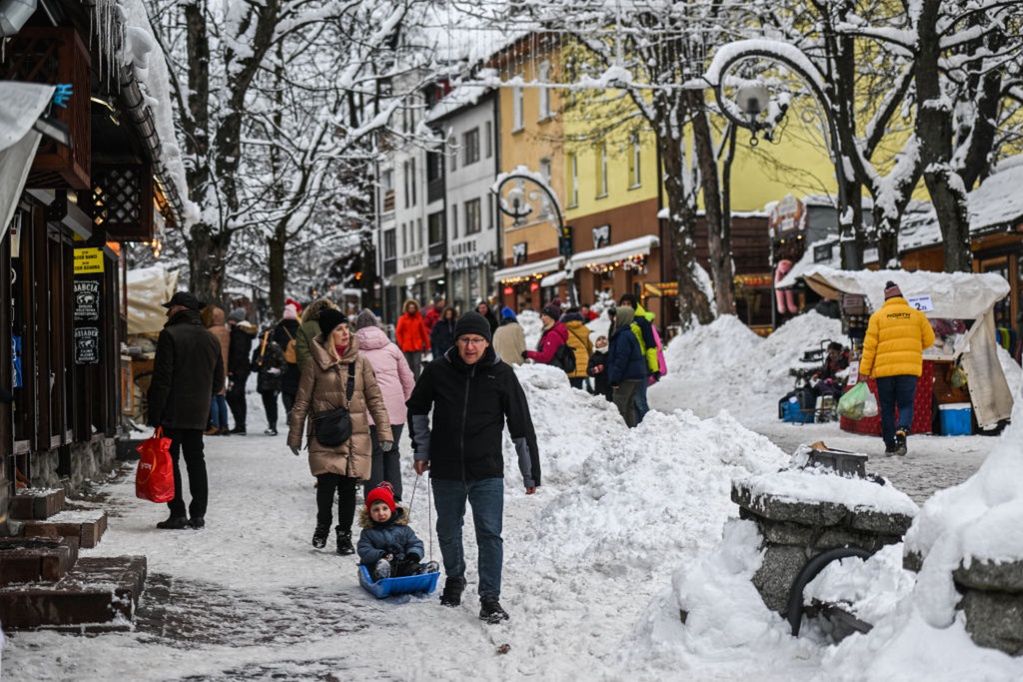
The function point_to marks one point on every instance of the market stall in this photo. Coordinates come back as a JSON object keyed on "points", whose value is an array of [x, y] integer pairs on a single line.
{"points": [[147, 290], [962, 366]]}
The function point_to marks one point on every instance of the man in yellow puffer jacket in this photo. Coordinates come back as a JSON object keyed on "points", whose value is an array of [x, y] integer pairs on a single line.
{"points": [[893, 355]]}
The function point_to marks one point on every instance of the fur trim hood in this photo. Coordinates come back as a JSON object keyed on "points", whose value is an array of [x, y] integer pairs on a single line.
{"points": [[312, 312], [399, 518]]}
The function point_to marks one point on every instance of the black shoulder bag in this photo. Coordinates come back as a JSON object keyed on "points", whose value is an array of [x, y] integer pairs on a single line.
{"points": [[334, 427]]}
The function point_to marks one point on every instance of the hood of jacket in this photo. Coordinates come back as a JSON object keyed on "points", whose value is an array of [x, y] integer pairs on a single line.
{"points": [[398, 518], [312, 312], [322, 357], [644, 313], [247, 327], [571, 317], [217, 317], [372, 338]]}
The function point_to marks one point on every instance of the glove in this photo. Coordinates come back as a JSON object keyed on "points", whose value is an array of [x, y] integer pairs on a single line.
{"points": [[413, 558], [294, 451], [387, 445], [525, 355]]}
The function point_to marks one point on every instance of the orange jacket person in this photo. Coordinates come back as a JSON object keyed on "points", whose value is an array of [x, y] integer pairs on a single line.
{"points": [[412, 336]]}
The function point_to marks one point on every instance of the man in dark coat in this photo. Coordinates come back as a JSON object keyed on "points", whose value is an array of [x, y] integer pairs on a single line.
{"points": [[286, 336], [471, 393], [187, 371], [238, 367]]}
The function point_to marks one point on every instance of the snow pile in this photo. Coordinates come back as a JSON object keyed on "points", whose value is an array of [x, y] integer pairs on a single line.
{"points": [[820, 485], [872, 588], [724, 365]]}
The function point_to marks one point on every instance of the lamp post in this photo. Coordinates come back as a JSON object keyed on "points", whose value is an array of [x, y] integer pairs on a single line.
{"points": [[753, 100], [527, 188]]}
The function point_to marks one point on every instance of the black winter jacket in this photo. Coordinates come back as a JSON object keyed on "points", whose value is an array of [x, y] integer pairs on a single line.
{"points": [[284, 332], [188, 370], [470, 405], [239, 351], [601, 384], [268, 364], [442, 337]]}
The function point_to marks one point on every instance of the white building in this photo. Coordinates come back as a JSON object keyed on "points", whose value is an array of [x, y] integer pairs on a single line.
{"points": [[466, 118]]}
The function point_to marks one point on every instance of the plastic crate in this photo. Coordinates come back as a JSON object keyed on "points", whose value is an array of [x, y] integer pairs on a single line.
{"points": [[794, 414], [956, 419]]}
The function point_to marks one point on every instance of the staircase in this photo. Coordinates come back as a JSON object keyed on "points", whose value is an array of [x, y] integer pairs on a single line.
{"points": [[44, 583]]}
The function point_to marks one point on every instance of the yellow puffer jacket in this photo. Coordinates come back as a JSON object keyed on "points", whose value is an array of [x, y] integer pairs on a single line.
{"points": [[896, 338], [579, 342]]}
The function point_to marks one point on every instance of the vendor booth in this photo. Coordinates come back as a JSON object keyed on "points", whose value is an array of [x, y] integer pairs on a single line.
{"points": [[961, 370], [147, 290]]}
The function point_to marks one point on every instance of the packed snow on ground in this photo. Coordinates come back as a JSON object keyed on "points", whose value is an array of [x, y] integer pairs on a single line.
{"points": [[248, 597]]}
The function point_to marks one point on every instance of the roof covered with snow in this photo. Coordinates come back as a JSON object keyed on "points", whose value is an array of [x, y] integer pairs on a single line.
{"points": [[463, 95]]}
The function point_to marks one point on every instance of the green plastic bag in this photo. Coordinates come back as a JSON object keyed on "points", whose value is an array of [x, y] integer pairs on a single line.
{"points": [[858, 403]]}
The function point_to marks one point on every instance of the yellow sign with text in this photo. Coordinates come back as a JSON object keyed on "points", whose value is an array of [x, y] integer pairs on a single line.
{"points": [[88, 261]]}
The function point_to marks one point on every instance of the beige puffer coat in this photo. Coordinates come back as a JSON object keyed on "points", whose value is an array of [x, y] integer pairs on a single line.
{"points": [[322, 388]]}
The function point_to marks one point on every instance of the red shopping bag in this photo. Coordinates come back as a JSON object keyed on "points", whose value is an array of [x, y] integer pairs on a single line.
{"points": [[154, 479]]}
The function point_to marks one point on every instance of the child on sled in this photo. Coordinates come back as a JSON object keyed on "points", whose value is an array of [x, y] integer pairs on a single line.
{"points": [[387, 546]]}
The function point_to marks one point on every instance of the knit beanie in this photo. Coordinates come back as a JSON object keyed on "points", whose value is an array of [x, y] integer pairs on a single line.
{"points": [[891, 290], [382, 493], [292, 302], [552, 311], [237, 315], [366, 318], [290, 312], [329, 320], [473, 323]]}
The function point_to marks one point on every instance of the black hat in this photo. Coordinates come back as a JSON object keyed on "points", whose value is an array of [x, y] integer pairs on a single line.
{"points": [[473, 323], [183, 298], [330, 319]]}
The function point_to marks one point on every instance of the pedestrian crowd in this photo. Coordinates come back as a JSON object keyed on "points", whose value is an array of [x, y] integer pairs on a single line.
{"points": [[348, 390]]}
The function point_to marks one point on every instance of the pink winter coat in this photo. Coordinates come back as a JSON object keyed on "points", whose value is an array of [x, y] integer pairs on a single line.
{"points": [[392, 371], [550, 341]]}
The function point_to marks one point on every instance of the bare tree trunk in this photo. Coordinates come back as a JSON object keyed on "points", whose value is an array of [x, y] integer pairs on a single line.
{"points": [[207, 254], [719, 241], [276, 270], [934, 129]]}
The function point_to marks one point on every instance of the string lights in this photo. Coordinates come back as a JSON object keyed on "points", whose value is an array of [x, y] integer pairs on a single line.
{"points": [[637, 262]]}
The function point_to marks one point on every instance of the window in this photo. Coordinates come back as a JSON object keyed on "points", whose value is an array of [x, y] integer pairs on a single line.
{"points": [[454, 221], [473, 219], [601, 170], [413, 181], [517, 107], [488, 143], [419, 231], [572, 161], [543, 75], [490, 211], [545, 169], [434, 166], [634, 160], [405, 179], [387, 190], [453, 153], [390, 245], [471, 146], [404, 238], [435, 224]]}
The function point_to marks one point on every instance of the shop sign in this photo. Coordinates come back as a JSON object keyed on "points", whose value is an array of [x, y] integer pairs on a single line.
{"points": [[787, 216], [601, 236], [86, 305], [86, 345], [519, 253], [823, 253], [89, 261]]}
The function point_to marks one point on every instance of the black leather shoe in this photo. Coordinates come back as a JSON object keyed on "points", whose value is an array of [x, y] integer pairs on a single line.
{"points": [[320, 536], [174, 523], [197, 522]]}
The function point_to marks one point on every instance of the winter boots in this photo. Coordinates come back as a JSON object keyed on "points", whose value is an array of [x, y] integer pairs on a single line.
{"points": [[382, 570], [344, 542], [491, 611], [900, 442], [174, 523], [197, 522], [320, 536], [270, 432], [452, 595]]}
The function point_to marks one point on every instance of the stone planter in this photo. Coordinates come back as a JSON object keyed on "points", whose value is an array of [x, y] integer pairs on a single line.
{"points": [[993, 603]]}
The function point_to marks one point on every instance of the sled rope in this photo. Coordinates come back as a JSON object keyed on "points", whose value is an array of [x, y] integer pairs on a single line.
{"points": [[429, 511]]}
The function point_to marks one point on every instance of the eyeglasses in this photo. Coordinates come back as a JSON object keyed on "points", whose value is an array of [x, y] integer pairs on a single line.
{"points": [[471, 340]]}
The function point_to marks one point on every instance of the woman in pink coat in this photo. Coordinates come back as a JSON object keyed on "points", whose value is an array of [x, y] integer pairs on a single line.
{"points": [[395, 379]]}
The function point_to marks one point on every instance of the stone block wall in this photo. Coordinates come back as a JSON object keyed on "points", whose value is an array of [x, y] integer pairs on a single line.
{"points": [[89, 462]]}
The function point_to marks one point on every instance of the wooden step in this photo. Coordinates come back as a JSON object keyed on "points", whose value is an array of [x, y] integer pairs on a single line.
{"points": [[100, 594], [36, 503], [86, 525], [33, 559]]}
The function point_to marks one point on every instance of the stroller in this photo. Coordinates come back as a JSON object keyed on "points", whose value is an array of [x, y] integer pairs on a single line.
{"points": [[815, 394]]}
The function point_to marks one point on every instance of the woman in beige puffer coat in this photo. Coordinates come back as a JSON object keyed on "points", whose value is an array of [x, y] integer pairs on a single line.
{"points": [[334, 355]]}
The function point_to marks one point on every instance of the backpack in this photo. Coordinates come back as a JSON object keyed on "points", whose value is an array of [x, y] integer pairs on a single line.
{"points": [[291, 352], [564, 357]]}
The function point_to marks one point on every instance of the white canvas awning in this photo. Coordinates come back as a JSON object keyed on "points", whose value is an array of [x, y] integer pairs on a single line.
{"points": [[148, 290], [23, 104], [528, 269], [956, 295], [554, 279], [639, 246]]}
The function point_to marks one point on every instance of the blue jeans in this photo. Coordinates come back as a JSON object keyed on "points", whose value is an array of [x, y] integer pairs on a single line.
{"points": [[218, 412], [641, 405], [487, 499], [891, 392]]}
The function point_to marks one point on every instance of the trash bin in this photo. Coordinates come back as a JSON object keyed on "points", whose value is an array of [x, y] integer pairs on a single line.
{"points": [[956, 419]]}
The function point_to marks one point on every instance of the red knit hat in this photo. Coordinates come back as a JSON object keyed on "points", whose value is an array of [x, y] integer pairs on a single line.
{"points": [[382, 493], [291, 301]]}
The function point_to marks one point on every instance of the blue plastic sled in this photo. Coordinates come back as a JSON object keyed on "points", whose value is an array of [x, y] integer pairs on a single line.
{"points": [[425, 583]]}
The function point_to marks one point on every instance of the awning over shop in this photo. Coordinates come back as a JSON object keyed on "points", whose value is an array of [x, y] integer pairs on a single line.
{"points": [[148, 289], [24, 103], [640, 246], [554, 279], [528, 270]]}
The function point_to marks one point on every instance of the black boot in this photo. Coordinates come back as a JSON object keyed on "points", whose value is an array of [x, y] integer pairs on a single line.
{"points": [[344, 542], [491, 611], [320, 536], [452, 595], [174, 523]]}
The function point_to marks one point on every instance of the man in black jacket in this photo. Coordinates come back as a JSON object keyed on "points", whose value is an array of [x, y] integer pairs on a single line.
{"points": [[471, 392], [243, 333], [187, 371]]}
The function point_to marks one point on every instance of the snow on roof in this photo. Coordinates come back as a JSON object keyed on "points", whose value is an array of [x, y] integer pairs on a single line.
{"points": [[463, 95], [528, 269], [609, 254], [955, 295]]}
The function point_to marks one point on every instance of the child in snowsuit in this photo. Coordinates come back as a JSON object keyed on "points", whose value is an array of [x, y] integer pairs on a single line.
{"points": [[387, 546], [598, 369]]}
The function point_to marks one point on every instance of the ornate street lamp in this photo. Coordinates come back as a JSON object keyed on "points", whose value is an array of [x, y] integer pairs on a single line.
{"points": [[752, 101], [528, 193]]}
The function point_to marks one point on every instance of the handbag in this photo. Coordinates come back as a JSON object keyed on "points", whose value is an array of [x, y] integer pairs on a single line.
{"points": [[334, 427]]}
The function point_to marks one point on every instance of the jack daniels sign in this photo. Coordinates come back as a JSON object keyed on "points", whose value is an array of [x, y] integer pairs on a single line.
{"points": [[86, 306]]}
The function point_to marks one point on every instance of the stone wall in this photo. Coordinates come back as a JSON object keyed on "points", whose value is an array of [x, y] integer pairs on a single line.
{"points": [[89, 462]]}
